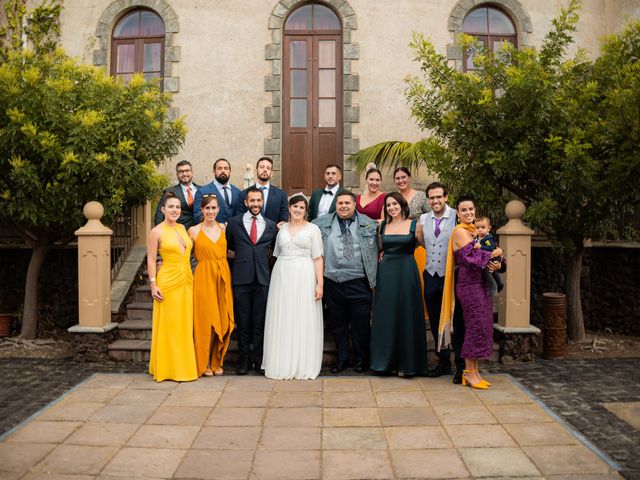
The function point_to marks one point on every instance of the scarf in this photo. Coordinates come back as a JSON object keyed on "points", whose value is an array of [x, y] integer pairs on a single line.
{"points": [[449, 294]]}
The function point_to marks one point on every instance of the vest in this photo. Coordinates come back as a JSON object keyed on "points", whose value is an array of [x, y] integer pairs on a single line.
{"points": [[437, 247]]}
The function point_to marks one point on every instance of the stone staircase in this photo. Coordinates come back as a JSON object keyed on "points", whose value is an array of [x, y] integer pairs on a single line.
{"points": [[133, 342]]}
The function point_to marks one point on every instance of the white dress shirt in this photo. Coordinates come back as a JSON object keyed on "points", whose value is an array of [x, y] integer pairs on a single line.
{"points": [[261, 223], [265, 193], [325, 201], [191, 187], [221, 188]]}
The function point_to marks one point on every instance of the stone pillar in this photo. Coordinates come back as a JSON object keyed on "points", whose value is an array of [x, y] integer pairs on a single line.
{"points": [[143, 223], [94, 273], [514, 303]]}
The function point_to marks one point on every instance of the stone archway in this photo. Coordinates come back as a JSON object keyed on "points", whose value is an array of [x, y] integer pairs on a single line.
{"points": [[171, 51], [514, 8], [273, 85]]}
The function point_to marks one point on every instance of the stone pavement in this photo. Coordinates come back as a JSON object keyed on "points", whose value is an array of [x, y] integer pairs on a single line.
{"points": [[126, 425], [587, 394]]}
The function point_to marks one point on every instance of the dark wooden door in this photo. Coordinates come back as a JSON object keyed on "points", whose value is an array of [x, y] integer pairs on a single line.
{"points": [[312, 109]]}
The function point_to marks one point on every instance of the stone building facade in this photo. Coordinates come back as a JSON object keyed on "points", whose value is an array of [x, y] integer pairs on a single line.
{"points": [[223, 60]]}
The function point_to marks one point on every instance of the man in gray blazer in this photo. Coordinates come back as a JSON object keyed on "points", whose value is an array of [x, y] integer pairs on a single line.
{"points": [[185, 190], [437, 226]]}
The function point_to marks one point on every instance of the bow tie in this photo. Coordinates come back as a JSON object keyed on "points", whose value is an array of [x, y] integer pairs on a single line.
{"points": [[327, 192]]}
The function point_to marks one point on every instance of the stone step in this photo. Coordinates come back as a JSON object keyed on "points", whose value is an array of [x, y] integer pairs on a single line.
{"points": [[135, 330], [142, 294], [140, 311], [126, 350]]}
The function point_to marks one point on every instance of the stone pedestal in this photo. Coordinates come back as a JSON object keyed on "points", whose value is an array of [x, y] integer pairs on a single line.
{"points": [[514, 330], [94, 273]]}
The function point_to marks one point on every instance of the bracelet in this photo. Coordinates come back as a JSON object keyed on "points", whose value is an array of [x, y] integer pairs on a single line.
{"points": [[152, 280]]}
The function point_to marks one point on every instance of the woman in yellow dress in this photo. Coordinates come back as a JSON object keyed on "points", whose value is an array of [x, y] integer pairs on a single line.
{"points": [[172, 352], [212, 296]]}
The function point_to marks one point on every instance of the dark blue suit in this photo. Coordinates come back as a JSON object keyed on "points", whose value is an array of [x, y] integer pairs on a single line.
{"points": [[277, 207], [186, 212], [250, 276], [226, 211]]}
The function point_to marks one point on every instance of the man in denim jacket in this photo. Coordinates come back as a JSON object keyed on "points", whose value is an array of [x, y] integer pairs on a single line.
{"points": [[350, 264]]}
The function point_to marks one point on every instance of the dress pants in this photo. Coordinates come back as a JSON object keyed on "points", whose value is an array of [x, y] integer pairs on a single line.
{"points": [[433, 290], [349, 305], [250, 306]]}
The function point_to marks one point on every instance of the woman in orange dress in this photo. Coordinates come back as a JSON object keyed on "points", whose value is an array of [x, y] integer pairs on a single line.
{"points": [[212, 298]]}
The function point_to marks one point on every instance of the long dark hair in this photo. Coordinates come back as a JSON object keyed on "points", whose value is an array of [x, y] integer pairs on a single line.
{"points": [[404, 206]]}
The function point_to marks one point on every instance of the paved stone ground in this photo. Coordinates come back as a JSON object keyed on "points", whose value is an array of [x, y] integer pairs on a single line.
{"points": [[126, 425], [574, 389]]}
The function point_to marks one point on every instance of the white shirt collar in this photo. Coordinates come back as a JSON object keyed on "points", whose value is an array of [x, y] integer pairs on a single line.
{"points": [[219, 185], [267, 186], [333, 190]]}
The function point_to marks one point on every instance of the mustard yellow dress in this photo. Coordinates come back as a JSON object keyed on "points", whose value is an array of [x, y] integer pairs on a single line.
{"points": [[172, 352], [212, 301]]}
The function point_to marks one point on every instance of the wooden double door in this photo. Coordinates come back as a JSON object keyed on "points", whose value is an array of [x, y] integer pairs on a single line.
{"points": [[312, 109]]}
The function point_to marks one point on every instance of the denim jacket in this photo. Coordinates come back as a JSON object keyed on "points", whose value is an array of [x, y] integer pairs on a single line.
{"points": [[367, 239]]}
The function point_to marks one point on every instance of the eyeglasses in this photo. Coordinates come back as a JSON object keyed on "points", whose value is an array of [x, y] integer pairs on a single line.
{"points": [[187, 170], [436, 197]]}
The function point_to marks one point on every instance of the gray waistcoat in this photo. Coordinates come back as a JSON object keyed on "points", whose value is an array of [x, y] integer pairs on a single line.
{"points": [[437, 247]]}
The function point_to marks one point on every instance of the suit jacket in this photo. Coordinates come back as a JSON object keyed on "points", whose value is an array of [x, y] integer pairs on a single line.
{"points": [[186, 212], [276, 209], [225, 212], [252, 261], [316, 195]]}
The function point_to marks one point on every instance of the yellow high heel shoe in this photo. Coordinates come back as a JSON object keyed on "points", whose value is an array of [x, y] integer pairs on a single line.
{"points": [[481, 385]]}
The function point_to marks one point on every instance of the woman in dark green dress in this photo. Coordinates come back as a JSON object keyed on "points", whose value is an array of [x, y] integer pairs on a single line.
{"points": [[398, 338]]}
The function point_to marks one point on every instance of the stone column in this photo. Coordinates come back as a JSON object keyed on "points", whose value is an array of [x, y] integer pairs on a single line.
{"points": [[143, 222], [514, 303], [94, 273]]}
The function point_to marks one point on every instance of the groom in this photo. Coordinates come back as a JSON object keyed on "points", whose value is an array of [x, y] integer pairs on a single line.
{"points": [[251, 236]]}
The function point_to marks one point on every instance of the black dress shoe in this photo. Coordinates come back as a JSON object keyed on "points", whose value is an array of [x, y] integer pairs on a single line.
{"points": [[360, 367], [457, 377], [258, 369], [339, 367], [243, 369], [441, 369]]}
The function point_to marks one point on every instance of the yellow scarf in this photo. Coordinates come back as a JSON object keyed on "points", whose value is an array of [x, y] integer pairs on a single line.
{"points": [[449, 295]]}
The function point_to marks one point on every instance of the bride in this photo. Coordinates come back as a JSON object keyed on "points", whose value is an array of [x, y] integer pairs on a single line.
{"points": [[293, 334]]}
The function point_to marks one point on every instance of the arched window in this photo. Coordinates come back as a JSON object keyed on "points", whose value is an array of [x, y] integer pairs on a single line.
{"points": [[491, 26], [137, 45]]}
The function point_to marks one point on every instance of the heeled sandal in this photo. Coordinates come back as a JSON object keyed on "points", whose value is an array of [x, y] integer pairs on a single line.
{"points": [[207, 373], [482, 380], [481, 385], [219, 372]]}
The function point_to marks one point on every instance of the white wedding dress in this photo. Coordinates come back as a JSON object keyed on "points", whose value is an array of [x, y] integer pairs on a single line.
{"points": [[293, 331]]}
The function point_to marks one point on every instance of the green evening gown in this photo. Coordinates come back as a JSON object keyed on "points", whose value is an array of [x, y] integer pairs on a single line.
{"points": [[398, 336]]}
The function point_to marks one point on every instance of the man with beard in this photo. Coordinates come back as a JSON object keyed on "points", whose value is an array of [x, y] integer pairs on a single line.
{"points": [[228, 195], [323, 200], [185, 190], [251, 237], [274, 200]]}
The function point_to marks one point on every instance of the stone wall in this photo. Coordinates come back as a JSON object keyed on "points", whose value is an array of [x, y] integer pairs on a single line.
{"points": [[610, 287]]}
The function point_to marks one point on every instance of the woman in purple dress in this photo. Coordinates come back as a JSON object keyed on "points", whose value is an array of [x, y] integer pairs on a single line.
{"points": [[371, 202], [473, 292]]}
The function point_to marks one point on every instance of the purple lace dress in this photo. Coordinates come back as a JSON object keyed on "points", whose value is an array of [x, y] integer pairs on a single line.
{"points": [[477, 304]]}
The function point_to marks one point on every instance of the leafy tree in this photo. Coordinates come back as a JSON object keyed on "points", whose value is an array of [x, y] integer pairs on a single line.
{"points": [[70, 133], [562, 134]]}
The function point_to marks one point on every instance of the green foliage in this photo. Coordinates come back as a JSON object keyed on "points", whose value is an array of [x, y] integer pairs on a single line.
{"points": [[561, 134], [70, 133]]}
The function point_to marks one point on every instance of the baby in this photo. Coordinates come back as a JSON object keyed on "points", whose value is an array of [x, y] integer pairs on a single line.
{"points": [[487, 242]]}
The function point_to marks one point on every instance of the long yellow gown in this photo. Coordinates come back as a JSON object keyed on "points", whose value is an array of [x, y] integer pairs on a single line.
{"points": [[172, 352], [212, 301]]}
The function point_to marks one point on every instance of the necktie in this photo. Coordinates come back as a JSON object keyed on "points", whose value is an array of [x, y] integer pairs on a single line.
{"points": [[253, 234], [347, 239], [436, 231], [189, 197], [327, 192], [226, 195]]}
